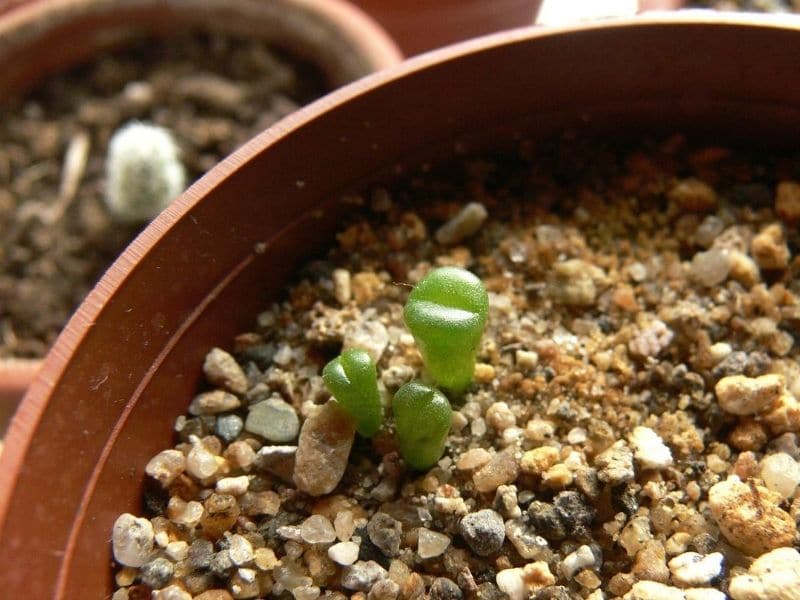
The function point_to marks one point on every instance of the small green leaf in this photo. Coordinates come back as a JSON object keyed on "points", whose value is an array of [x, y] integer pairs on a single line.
{"points": [[353, 380], [422, 416], [446, 313]]}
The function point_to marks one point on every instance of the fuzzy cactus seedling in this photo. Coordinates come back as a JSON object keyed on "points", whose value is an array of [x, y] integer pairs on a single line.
{"points": [[352, 379], [422, 417], [446, 313], [143, 172]]}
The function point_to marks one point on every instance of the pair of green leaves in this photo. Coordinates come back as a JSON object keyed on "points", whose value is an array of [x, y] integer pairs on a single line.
{"points": [[422, 414], [446, 313]]}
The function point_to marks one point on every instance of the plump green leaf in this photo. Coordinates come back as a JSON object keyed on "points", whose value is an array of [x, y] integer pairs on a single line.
{"points": [[446, 313], [422, 416], [353, 380]]}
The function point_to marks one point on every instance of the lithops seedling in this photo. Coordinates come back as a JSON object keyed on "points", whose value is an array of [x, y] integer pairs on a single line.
{"points": [[352, 379], [422, 417]]}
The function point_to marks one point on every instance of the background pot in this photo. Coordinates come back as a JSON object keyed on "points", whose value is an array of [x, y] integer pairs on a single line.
{"points": [[131, 357], [420, 25], [48, 36]]}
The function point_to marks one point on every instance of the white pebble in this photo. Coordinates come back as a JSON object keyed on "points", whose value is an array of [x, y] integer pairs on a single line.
{"points": [[132, 540], [235, 486], [200, 463], [582, 558], [464, 224], [240, 550], [774, 575], [166, 466], [431, 543], [693, 569], [649, 449], [317, 529], [704, 594], [344, 553], [711, 268], [511, 582], [781, 473], [177, 551], [172, 592]]}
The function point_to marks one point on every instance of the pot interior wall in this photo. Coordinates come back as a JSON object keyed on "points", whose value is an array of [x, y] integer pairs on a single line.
{"points": [[130, 359]]}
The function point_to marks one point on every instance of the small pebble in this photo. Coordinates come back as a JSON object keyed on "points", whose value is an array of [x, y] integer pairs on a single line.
{"points": [[443, 588], [166, 466], [740, 395], [362, 575], [214, 402], [240, 550], [228, 427], [464, 224], [431, 543], [649, 449], [172, 592], [323, 450], [582, 558], [341, 285], [344, 553], [222, 369], [484, 531], [500, 470], [787, 201], [235, 486], [652, 590], [473, 459], [274, 420], [691, 569], [369, 335], [774, 576], [710, 268], [615, 465], [769, 248], [132, 540], [781, 473], [157, 573], [385, 532], [749, 516], [317, 529], [693, 195], [200, 463]]}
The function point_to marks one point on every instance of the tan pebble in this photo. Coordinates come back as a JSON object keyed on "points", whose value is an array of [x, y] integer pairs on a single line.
{"points": [[200, 463], [172, 592], [240, 454], [260, 503], [184, 513], [126, 576], [166, 466], [537, 575], [265, 559], [365, 287], [463, 224], [651, 562], [500, 417], [677, 543], [526, 360], [787, 201], [621, 583], [716, 465], [323, 450], [222, 369], [653, 590], [693, 195], [341, 285], [484, 373], [748, 435], [344, 524], [431, 543], [235, 486], [740, 395], [213, 402], [749, 516], [635, 535], [743, 269], [450, 506], [538, 460], [784, 417], [588, 579], [473, 459], [769, 248], [501, 470], [221, 512], [576, 282], [775, 575], [557, 477], [746, 465]]}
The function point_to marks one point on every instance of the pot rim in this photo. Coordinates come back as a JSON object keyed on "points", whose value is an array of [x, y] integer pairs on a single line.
{"points": [[29, 23], [20, 435]]}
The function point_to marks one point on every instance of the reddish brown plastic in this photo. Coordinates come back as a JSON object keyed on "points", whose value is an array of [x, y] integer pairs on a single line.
{"points": [[420, 25], [130, 360]]}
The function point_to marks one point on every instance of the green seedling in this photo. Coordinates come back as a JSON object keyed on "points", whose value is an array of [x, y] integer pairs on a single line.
{"points": [[353, 380], [422, 416], [446, 313]]}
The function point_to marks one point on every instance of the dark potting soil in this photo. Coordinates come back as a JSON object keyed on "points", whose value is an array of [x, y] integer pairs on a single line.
{"points": [[213, 92]]}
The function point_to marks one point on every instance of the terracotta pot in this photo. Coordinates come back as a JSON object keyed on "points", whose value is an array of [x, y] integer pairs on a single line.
{"points": [[420, 25], [45, 36], [130, 359], [15, 377]]}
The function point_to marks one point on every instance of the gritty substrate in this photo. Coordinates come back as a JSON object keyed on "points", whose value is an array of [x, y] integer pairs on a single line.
{"points": [[212, 92], [631, 431]]}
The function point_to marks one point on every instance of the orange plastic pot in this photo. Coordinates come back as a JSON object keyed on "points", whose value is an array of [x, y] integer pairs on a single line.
{"points": [[130, 359]]}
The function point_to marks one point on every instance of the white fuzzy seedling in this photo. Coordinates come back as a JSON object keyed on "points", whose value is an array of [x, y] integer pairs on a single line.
{"points": [[143, 172]]}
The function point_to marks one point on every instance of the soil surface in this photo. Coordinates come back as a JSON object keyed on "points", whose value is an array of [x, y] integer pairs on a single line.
{"points": [[631, 431], [212, 92]]}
